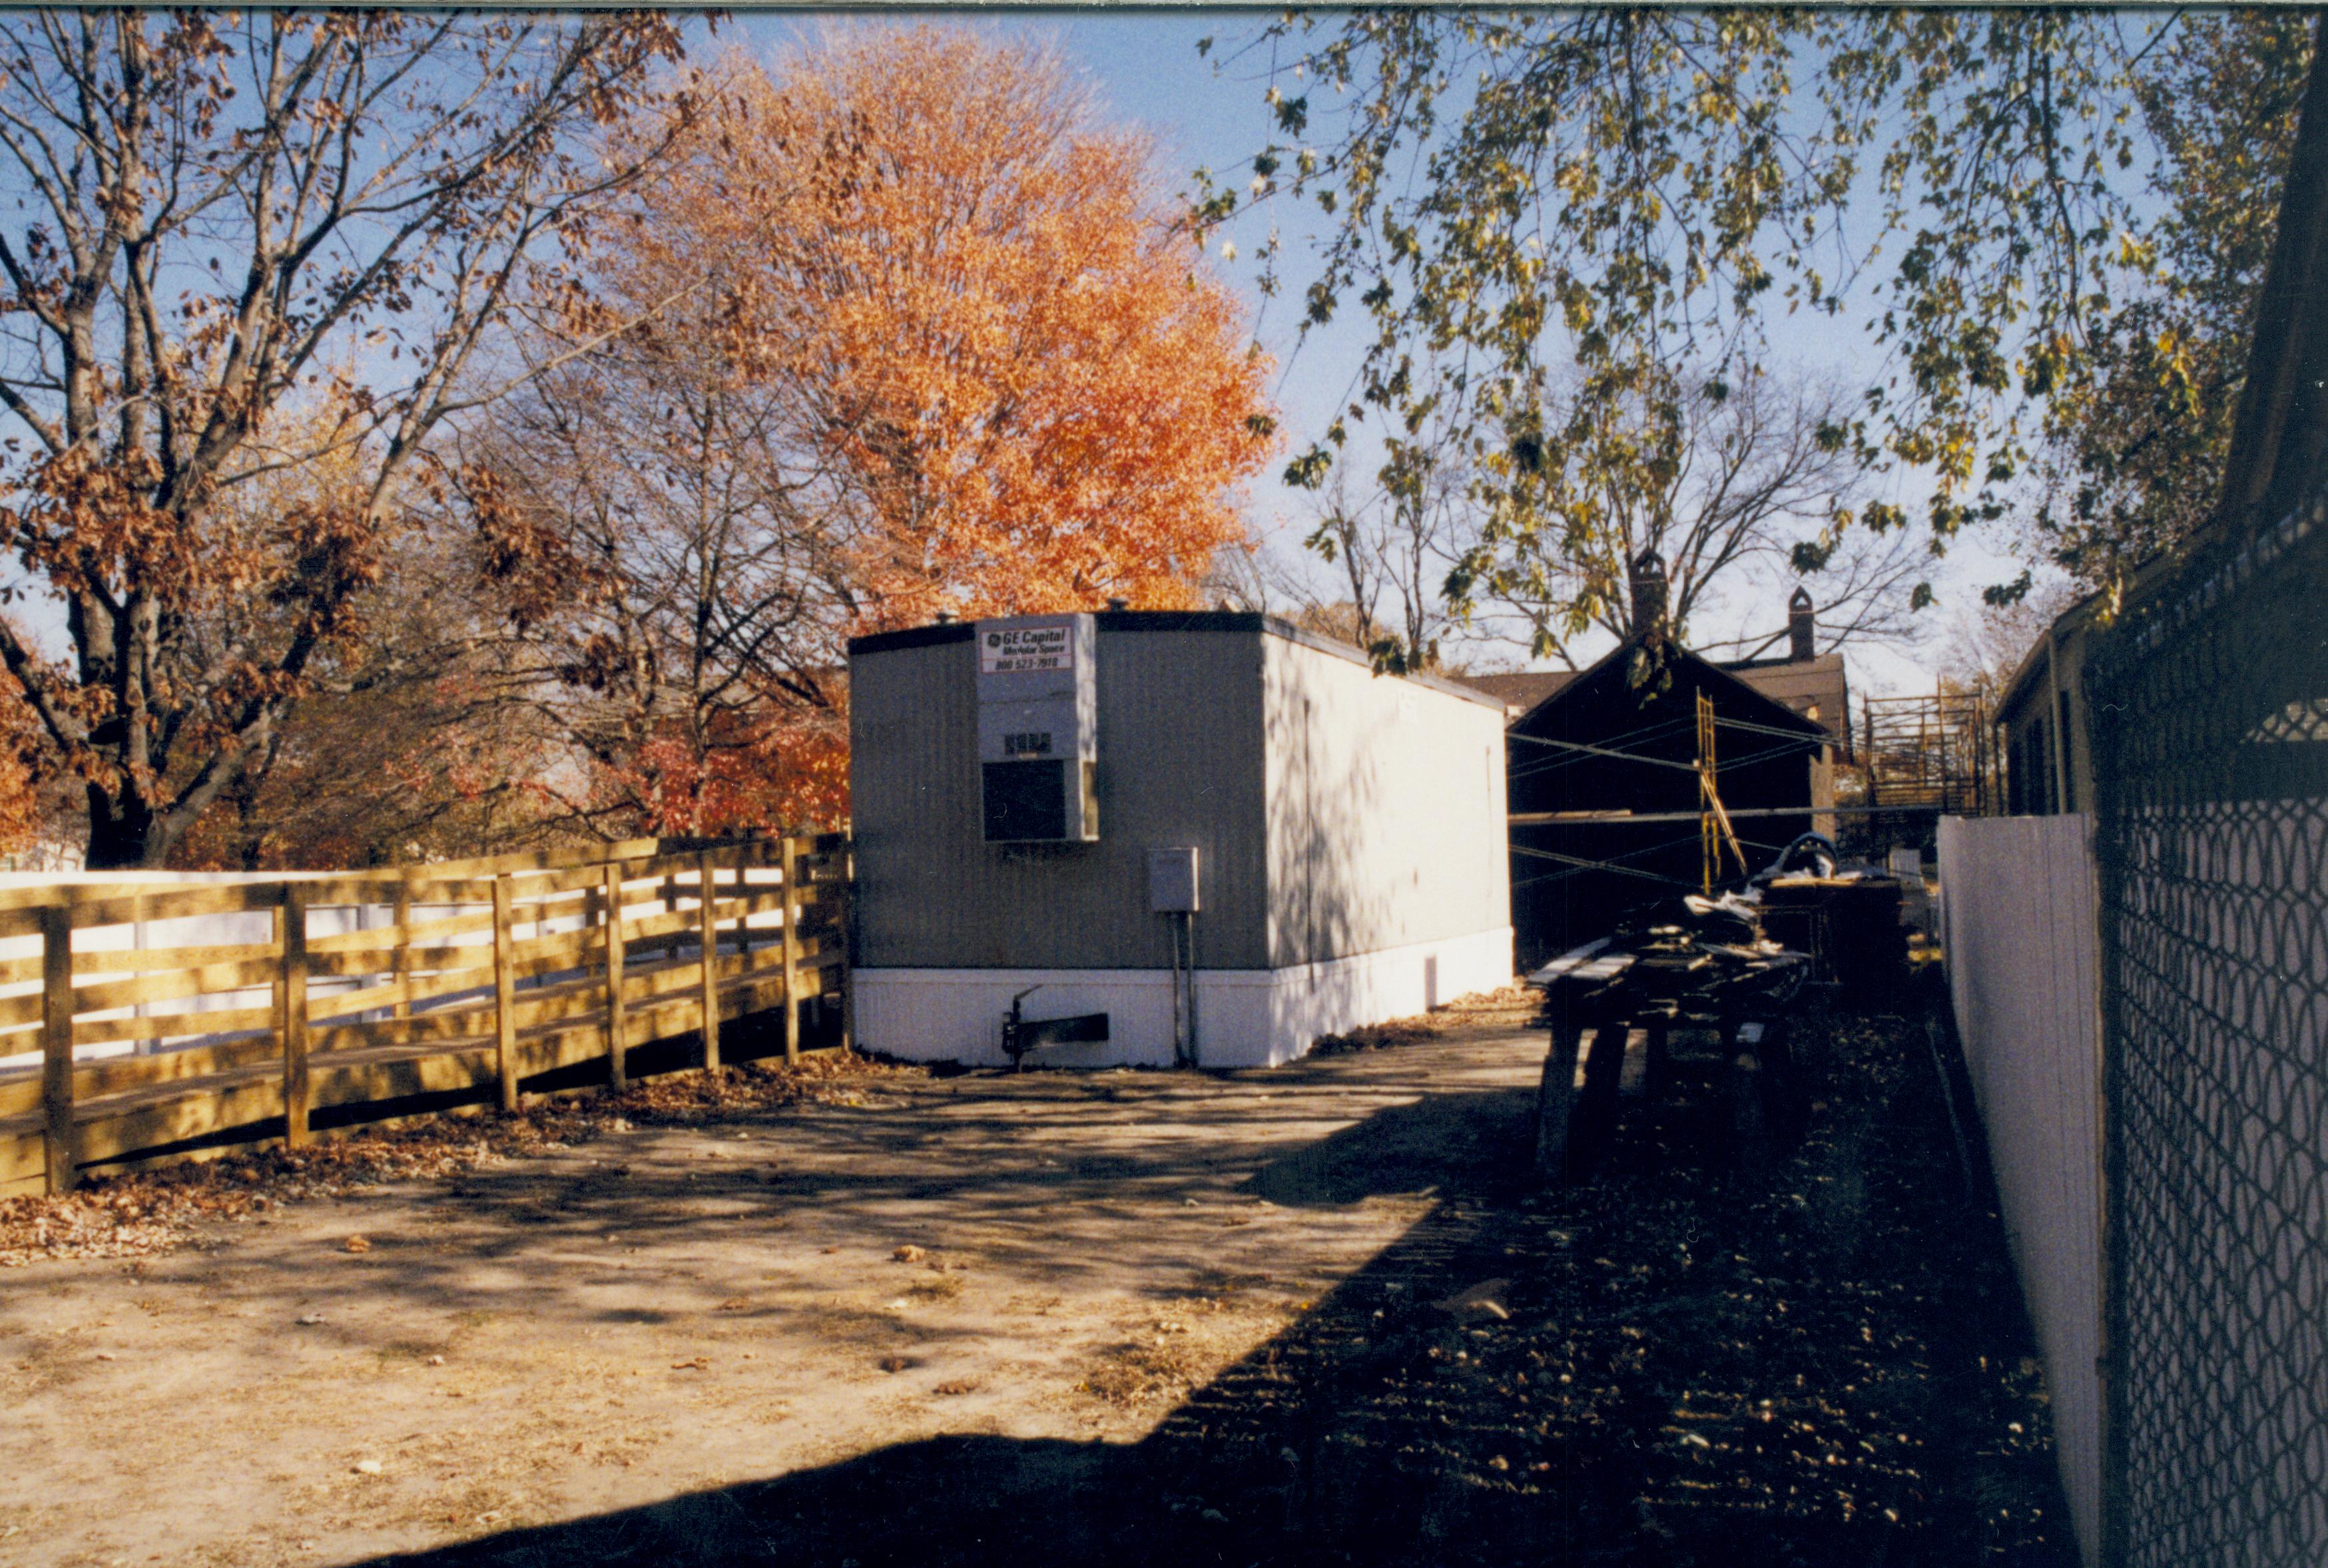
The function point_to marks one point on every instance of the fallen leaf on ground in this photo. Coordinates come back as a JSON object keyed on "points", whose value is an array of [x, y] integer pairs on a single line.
{"points": [[1484, 1300], [1511, 1006], [145, 1213], [357, 1245]]}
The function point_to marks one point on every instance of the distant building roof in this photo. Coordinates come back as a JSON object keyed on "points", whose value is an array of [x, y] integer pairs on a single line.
{"points": [[1815, 688], [1520, 690]]}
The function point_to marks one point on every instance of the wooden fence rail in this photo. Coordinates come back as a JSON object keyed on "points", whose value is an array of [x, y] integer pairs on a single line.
{"points": [[137, 1022]]}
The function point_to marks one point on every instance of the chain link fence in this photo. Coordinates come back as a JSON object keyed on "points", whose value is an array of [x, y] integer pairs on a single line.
{"points": [[2210, 712]]}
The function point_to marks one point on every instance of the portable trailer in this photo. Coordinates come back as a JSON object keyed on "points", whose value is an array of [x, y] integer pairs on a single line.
{"points": [[1222, 834]]}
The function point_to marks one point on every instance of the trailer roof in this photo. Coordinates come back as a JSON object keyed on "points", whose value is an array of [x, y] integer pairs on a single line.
{"points": [[1173, 621]]}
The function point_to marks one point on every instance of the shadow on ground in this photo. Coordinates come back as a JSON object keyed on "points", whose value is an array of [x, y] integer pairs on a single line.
{"points": [[1678, 1364]]}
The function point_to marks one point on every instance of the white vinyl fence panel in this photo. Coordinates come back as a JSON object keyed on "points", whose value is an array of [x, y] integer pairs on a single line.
{"points": [[2020, 905]]}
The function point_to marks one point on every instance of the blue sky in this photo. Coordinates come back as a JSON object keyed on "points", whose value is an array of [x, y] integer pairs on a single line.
{"points": [[1144, 68]]}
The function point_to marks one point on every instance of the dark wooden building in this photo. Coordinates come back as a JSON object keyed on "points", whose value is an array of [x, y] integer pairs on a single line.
{"points": [[1604, 786]]}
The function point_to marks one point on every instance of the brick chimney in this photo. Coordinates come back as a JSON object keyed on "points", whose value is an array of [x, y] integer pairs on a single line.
{"points": [[1649, 584], [1802, 626]]}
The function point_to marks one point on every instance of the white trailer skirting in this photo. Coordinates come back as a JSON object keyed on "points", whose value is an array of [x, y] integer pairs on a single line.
{"points": [[1259, 1017]]}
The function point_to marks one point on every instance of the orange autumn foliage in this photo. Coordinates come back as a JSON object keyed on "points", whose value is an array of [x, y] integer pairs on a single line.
{"points": [[1021, 384], [790, 771], [24, 756], [918, 335]]}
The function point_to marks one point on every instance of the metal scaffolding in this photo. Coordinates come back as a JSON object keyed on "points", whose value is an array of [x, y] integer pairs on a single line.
{"points": [[1923, 758]]}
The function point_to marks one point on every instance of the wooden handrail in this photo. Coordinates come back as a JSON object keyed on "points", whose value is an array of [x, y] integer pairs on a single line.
{"points": [[367, 884]]}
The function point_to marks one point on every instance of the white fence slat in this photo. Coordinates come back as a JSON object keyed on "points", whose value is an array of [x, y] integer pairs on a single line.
{"points": [[2022, 952]]}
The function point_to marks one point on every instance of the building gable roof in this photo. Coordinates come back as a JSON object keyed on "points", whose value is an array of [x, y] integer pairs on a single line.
{"points": [[1799, 685], [1734, 692]]}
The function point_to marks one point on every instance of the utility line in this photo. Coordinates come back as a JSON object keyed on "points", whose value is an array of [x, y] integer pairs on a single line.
{"points": [[1575, 865], [1581, 864], [1608, 865], [1796, 740], [1794, 734], [1659, 727], [1545, 766], [1764, 755], [1732, 765], [1687, 767], [1638, 733], [1627, 818]]}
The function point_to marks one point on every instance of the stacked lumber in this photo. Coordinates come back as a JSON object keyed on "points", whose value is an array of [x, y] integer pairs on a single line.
{"points": [[1850, 925]]}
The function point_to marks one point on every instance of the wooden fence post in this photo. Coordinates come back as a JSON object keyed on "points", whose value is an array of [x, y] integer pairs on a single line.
{"points": [[670, 943], [848, 945], [138, 938], [847, 923], [792, 863], [401, 962], [57, 1046], [292, 1014], [504, 996], [710, 937], [618, 1071]]}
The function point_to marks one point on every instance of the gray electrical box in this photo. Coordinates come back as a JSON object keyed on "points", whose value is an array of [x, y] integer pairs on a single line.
{"points": [[1038, 728], [1172, 881]]}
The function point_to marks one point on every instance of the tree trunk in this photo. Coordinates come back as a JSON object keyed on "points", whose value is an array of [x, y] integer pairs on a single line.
{"points": [[250, 834], [124, 834]]}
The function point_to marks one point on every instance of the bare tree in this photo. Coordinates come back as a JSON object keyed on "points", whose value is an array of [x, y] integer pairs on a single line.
{"points": [[402, 748], [1758, 488], [1394, 546], [1986, 643], [674, 580], [221, 219]]}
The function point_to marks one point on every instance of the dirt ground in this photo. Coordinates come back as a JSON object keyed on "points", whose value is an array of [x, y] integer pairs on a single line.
{"points": [[1303, 1315]]}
